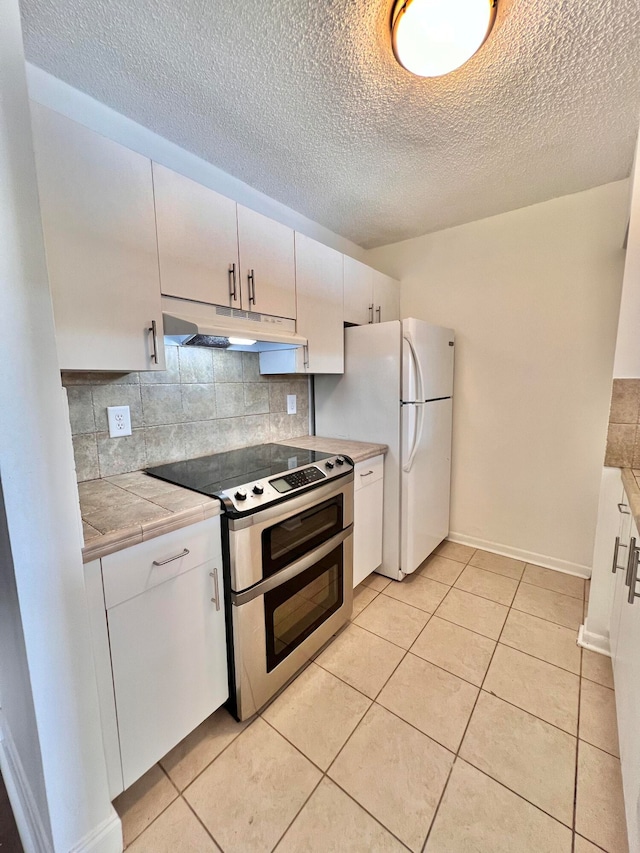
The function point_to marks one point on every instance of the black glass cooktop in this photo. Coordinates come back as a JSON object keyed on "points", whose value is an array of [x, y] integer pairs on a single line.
{"points": [[211, 474]]}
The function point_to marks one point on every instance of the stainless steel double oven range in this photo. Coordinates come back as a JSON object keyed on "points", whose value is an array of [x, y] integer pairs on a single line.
{"points": [[288, 551]]}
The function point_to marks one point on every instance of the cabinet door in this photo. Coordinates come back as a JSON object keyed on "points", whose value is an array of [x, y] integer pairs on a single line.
{"points": [[96, 199], [197, 240], [620, 589], [386, 297], [627, 685], [319, 280], [267, 265], [358, 292], [368, 490], [168, 652]]}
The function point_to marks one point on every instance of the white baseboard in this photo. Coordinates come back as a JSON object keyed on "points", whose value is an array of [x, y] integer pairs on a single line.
{"points": [[105, 838], [526, 556], [594, 642], [31, 826]]}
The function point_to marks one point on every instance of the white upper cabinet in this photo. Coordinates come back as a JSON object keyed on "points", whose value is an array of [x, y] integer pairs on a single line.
{"points": [[369, 296], [96, 200], [197, 240], [319, 284], [267, 265], [358, 292], [386, 298]]}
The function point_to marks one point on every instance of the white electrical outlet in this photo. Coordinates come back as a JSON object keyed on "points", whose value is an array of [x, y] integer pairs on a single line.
{"points": [[291, 404], [119, 418]]}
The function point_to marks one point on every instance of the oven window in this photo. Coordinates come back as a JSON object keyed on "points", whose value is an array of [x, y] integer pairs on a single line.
{"points": [[294, 610], [286, 542]]}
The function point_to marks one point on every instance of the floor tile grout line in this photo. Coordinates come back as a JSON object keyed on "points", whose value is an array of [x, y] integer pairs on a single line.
{"points": [[464, 734], [295, 817], [377, 820], [180, 795], [555, 591], [488, 775], [576, 766], [160, 813], [202, 823]]}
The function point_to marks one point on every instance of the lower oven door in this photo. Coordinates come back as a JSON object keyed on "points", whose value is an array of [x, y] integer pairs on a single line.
{"points": [[279, 624]]}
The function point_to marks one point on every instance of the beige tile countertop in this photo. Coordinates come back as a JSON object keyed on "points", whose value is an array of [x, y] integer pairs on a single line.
{"points": [[631, 482], [127, 509], [357, 450]]}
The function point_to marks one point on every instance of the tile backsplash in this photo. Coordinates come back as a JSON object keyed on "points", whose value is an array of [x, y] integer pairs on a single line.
{"points": [[623, 437], [206, 401]]}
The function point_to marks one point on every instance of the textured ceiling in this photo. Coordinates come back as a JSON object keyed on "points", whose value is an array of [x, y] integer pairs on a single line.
{"points": [[303, 100]]}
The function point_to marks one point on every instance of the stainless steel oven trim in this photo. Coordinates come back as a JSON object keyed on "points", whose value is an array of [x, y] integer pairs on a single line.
{"points": [[254, 686], [292, 505], [291, 571], [245, 543]]}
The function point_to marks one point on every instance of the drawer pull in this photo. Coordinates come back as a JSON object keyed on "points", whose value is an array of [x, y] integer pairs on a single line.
{"points": [[367, 474], [624, 509], [171, 559], [634, 577], [216, 591], [615, 566]]}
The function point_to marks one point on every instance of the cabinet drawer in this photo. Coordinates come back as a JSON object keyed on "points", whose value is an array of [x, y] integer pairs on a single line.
{"points": [[131, 571], [367, 472]]}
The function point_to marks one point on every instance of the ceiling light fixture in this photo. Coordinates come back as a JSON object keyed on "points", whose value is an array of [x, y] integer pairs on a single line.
{"points": [[433, 37]]}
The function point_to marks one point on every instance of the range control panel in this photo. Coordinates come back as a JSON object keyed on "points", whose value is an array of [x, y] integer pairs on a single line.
{"points": [[250, 497]]}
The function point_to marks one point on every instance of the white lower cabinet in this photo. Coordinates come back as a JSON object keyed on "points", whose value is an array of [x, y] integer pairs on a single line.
{"points": [[167, 640], [625, 642], [367, 517]]}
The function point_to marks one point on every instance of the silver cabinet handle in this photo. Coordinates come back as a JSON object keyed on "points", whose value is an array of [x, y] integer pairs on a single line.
{"points": [[305, 350], [216, 590], [632, 550], [624, 509], [367, 474], [251, 280], [633, 577], [379, 313], [233, 294], [615, 566], [371, 313], [171, 559], [153, 328]]}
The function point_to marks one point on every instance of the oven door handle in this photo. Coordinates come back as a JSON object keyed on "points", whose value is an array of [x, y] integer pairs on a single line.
{"points": [[292, 571]]}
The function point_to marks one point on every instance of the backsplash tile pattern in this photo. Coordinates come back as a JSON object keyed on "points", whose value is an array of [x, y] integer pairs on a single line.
{"points": [[623, 437], [206, 401]]}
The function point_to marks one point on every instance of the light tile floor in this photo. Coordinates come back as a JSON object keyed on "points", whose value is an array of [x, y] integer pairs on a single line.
{"points": [[454, 713]]}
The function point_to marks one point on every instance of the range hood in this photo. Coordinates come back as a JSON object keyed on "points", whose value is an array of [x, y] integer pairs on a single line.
{"points": [[199, 324]]}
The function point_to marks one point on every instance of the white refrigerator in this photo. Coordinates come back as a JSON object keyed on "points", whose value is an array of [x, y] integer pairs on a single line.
{"points": [[397, 389]]}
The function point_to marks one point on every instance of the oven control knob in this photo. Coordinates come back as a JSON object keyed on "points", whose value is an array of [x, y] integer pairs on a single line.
{"points": [[339, 460], [258, 489], [240, 495], [328, 464]]}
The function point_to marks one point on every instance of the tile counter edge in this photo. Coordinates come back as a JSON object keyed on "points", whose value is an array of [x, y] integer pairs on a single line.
{"points": [[631, 485], [359, 451]]}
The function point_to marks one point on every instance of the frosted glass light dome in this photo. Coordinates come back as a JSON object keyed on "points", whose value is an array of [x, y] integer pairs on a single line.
{"points": [[434, 37]]}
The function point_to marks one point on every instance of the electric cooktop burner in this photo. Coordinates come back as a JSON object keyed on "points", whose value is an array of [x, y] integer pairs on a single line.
{"points": [[222, 471]]}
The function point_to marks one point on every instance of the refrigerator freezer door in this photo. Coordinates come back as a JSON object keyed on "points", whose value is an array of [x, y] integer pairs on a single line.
{"points": [[427, 361], [364, 405], [426, 475]]}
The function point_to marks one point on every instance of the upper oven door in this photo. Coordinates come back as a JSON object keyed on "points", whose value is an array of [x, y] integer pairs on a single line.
{"points": [[266, 542]]}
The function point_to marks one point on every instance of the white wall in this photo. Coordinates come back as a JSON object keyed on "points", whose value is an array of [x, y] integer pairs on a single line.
{"points": [[51, 92], [42, 569], [533, 296], [627, 360]]}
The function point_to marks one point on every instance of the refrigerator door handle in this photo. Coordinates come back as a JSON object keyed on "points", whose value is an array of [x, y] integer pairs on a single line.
{"points": [[417, 369], [417, 436]]}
